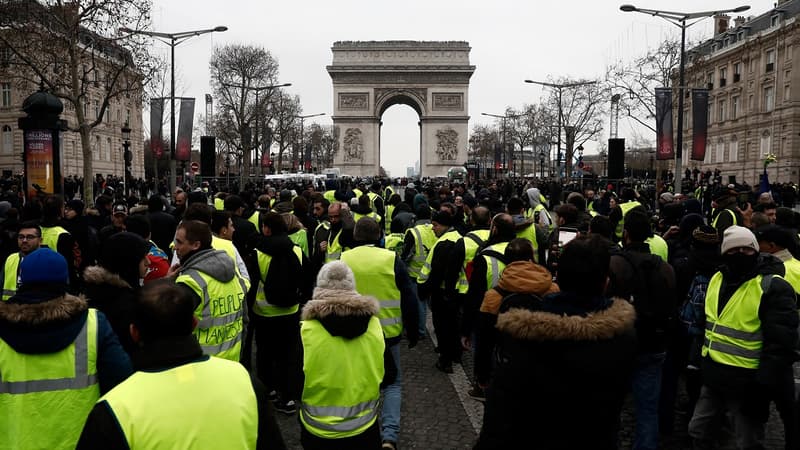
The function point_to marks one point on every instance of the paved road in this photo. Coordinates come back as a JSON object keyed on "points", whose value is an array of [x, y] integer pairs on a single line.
{"points": [[437, 414]]}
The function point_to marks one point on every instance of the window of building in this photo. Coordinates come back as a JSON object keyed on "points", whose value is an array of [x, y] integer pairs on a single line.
{"points": [[723, 76], [774, 20], [770, 60], [769, 98], [750, 104], [96, 150], [720, 151], [733, 150], [5, 94], [97, 109], [737, 72], [128, 117], [710, 80], [766, 143], [5, 56], [8, 139], [707, 157], [721, 111], [85, 109], [787, 92], [753, 64], [107, 150], [734, 107]]}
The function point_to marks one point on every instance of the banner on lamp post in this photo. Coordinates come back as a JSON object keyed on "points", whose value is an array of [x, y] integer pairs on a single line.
{"points": [[699, 123], [665, 150], [183, 148], [39, 162], [498, 157], [156, 127]]}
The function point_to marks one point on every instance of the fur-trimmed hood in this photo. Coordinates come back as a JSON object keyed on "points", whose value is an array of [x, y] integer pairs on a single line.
{"points": [[342, 313], [101, 275], [543, 326], [44, 327]]}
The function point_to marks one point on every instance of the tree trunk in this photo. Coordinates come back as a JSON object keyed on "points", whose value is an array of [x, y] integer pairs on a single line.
{"points": [[88, 171]]}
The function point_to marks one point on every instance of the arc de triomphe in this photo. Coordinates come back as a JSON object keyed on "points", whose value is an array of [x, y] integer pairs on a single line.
{"points": [[431, 77]]}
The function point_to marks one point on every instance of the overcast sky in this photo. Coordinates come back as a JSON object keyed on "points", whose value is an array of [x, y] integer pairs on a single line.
{"points": [[511, 41]]}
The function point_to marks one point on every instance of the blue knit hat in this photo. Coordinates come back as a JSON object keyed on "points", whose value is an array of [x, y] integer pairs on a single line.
{"points": [[43, 266]]}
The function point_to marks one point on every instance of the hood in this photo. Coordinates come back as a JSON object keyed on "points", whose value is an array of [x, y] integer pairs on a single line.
{"points": [[45, 327], [770, 265], [275, 244], [527, 277], [540, 326], [101, 275], [533, 197], [283, 207], [342, 313], [215, 263]]}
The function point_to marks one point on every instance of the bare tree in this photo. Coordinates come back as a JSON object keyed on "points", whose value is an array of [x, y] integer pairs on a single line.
{"points": [[238, 72], [482, 142], [529, 126], [74, 49], [283, 119], [637, 80]]}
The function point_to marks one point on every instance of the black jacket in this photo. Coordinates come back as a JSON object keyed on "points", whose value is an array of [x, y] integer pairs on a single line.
{"points": [[779, 321], [273, 245], [563, 370], [441, 269], [103, 431], [112, 295], [162, 228]]}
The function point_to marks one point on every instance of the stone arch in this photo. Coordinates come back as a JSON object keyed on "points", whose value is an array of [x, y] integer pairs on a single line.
{"points": [[430, 77]]}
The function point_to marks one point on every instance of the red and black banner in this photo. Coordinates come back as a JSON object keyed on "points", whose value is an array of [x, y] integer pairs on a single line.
{"points": [[183, 150], [699, 123], [665, 150], [307, 158], [498, 157], [156, 128]]}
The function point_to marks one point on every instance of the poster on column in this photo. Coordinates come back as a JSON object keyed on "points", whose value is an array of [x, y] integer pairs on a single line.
{"points": [[699, 123], [664, 148], [39, 164]]}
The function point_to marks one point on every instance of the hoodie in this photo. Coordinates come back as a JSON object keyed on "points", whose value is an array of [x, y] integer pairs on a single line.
{"points": [[214, 263], [534, 200]]}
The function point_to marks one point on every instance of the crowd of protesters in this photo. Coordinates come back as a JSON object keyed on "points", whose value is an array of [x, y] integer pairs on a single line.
{"points": [[569, 298]]}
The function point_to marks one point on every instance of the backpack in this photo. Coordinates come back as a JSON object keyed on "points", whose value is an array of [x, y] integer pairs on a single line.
{"points": [[692, 312], [653, 301], [284, 272]]}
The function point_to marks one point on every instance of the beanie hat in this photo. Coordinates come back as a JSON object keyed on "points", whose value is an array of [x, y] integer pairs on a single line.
{"points": [[705, 236], [336, 275], [442, 218], [121, 255], [736, 237], [43, 266]]}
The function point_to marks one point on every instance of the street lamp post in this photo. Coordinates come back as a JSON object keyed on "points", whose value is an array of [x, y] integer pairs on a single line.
{"points": [[302, 136], [559, 87], [541, 165], [172, 39], [679, 19], [503, 118], [127, 156]]}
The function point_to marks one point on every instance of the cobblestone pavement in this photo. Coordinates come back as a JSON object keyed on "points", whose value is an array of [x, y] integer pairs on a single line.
{"points": [[437, 414]]}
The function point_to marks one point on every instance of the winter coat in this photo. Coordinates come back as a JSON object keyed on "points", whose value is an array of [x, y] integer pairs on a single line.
{"points": [[779, 322], [523, 277], [32, 324], [114, 297], [563, 370]]}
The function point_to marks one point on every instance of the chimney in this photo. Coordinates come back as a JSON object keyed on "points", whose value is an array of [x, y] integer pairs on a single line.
{"points": [[721, 23], [738, 21]]}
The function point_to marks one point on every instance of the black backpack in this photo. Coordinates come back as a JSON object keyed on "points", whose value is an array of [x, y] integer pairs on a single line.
{"points": [[653, 300], [285, 275]]}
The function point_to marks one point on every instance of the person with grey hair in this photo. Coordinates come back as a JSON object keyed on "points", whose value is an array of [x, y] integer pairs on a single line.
{"points": [[342, 341], [381, 273]]}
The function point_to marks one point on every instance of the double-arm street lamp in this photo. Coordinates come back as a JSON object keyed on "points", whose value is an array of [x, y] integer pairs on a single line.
{"points": [[303, 163], [172, 39], [503, 118], [257, 90], [680, 20], [559, 87]]}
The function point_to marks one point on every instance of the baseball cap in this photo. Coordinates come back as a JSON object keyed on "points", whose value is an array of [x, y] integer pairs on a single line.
{"points": [[120, 208]]}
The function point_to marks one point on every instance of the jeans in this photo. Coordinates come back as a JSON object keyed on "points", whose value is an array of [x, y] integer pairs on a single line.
{"points": [[748, 428], [423, 313], [392, 401], [646, 389]]}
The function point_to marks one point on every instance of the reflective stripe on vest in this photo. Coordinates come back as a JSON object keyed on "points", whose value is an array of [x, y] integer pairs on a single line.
{"points": [[424, 239], [220, 315], [334, 251], [473, 241], [733, 337], [495, 267], [50, 236], [46, 397], [373, 270], [333, 406], [733, 216], [221, 388], [374, 215], [10, 276], [262, 306], [451, 236]]}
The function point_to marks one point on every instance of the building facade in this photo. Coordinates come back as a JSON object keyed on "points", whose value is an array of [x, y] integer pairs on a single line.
{"points": [[754, 95]]}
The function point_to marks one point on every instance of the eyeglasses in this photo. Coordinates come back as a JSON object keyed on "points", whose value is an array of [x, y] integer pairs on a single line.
{"points": [[27, 237]]}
